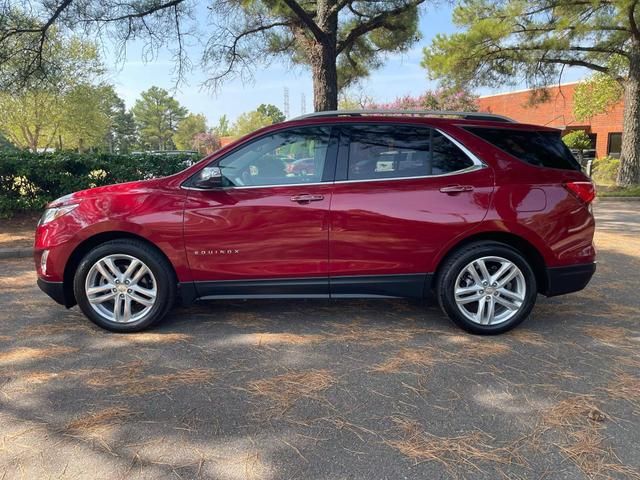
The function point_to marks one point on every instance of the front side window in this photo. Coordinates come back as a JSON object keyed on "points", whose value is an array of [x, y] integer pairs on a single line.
{"points": [[288, 157], [400, 151]]}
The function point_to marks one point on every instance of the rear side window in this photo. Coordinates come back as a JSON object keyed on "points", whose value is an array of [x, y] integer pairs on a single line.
{"points": [[399, 151], [543, 149]]}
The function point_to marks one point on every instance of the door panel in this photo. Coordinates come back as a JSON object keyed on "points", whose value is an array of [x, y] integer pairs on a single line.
{"points": [[268, 220], [406, 192], [254, 233]]}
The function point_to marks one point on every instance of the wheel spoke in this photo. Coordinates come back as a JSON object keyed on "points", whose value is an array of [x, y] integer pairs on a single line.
{"points": [[96, 300], [513, 271], [486, 277], [489, 309], [144, 296], [469, 298], [507, 303], [142, 271], [474, 274], [93, 291], [508, 293], [130, 269], [480, 312]]}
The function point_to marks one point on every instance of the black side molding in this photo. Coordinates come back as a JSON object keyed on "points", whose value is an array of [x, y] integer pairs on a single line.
{"points": [[572, 278], [365, 286]]}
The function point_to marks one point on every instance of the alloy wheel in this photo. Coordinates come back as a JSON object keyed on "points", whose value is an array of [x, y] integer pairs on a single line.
{"points": [[490, 290], [121, 288]]}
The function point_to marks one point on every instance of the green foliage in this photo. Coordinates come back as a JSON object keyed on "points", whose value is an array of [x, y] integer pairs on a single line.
{"points": [[633, 191], [222, 129], [28, 181], [530, 40], [85, 122], [605, 170], [249, 122], [341, 41], [577, 139], [157, 115], [596, 95], [272, 112], [188, 128], [32, 113]]}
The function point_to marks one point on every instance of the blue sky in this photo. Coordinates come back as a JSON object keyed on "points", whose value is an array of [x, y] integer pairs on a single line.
{"points": [[400, 75]]}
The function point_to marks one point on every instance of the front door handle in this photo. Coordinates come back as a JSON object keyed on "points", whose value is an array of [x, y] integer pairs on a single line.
{"points": [[306, 198], [453, 189]]}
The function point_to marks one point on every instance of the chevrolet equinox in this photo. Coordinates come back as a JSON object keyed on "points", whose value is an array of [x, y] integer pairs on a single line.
{"points": [[476, 210]]}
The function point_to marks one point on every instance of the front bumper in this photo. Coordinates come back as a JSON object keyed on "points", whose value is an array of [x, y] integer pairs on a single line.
{"points": [[55, 290], [572, 278]]}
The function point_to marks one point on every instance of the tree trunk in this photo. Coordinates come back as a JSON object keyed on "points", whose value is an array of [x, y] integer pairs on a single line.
{"points": [[325, 78], [629, 173]]}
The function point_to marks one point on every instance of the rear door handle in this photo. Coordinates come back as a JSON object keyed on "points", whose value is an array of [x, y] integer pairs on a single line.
{"points": [[306, 198], [452, 189]]}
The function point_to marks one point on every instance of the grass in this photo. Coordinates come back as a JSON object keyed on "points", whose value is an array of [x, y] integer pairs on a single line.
{"points": [[605, 191]]}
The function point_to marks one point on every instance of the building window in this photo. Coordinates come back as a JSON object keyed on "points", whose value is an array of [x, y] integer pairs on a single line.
{"points": [[614, 146]]}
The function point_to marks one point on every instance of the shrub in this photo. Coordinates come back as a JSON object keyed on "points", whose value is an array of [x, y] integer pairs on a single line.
{"points": [[28, 181], [605, 170]]}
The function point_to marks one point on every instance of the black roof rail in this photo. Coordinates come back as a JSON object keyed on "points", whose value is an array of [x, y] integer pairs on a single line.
{"points": [[424, 113]]}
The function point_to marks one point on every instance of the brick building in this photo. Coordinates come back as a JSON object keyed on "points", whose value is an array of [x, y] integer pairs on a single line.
{"points": [[605, 130]]}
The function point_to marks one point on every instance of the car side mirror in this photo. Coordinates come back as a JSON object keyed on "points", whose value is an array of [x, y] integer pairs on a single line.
{"points": [[208, 178]]}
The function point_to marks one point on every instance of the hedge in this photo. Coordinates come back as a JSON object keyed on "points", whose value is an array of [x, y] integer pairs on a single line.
{"points": [[604, 171], [28, 181]]}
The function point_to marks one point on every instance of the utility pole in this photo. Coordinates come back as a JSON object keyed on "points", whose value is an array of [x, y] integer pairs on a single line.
{"points": [[286, 102]]}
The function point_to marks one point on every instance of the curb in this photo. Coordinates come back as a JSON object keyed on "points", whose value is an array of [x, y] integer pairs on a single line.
{"points": [[23, 252], [618, 199]]}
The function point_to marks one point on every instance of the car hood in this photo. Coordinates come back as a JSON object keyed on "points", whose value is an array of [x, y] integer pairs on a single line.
{"points": [[138, 186]]}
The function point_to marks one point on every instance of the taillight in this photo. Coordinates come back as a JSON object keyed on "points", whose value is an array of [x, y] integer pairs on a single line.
{"points": [[584, 191]]}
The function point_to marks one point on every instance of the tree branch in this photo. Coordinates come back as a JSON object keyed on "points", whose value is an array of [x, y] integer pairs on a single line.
{"points": [[632, 20], [306, 19], [375, 22]]}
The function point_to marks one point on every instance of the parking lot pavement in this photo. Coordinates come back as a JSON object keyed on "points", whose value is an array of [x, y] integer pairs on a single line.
{"points": [[319, 390]]}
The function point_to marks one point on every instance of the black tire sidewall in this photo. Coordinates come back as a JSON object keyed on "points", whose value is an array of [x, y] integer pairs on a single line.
{"points": [[153, 260], [454, 265]]}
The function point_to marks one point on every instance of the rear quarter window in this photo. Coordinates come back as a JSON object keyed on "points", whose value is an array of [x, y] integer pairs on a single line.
{"points": [[540, 148]]}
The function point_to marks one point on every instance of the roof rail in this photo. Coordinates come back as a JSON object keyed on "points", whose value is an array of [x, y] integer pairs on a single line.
{"points": [[424, 113]]}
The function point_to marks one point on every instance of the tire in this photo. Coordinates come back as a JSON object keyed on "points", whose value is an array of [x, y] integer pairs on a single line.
{"points": [[461, 293], [149, 297]]}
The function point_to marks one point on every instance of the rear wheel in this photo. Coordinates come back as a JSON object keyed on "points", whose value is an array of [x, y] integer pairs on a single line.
{"points": [[487, 288], [124, 286]]}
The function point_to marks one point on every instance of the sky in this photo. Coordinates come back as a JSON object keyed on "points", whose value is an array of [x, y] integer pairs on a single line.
{"points": [[400, 75]]}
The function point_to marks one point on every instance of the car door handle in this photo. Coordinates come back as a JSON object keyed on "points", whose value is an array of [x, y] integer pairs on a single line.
{"points": [[453, 189], [306, 198]]}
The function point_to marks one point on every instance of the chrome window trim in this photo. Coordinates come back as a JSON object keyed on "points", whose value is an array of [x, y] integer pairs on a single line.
{"points": [[477, 165]]}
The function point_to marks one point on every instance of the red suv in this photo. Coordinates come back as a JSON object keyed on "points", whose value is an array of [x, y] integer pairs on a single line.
{"points": [[481, 211]]}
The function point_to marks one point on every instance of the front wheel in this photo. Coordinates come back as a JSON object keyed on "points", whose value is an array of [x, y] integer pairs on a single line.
{"points": [[124, 286], [487, 288]]}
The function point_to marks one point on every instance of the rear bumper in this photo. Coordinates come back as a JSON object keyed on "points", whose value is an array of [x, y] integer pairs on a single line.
{"points": [[561, 280], [55, 290]]}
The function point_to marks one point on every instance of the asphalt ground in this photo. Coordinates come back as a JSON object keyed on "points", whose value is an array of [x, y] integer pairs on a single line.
{"points": [[309, 389]]}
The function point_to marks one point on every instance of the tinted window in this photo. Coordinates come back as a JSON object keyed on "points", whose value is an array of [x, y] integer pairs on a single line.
{"points": [[291, 156], [397, 151], [544, 149]]}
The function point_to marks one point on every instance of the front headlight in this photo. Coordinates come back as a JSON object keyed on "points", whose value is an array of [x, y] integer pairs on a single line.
{"points": [[51, 214]]}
